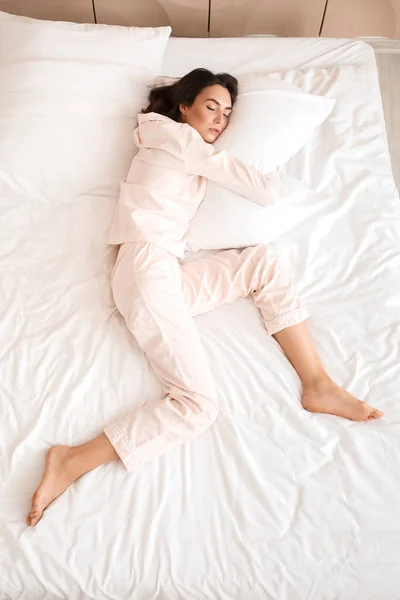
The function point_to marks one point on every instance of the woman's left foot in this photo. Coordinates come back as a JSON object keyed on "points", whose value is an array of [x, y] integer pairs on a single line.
{"points": [[324, 396], [58, 476]]}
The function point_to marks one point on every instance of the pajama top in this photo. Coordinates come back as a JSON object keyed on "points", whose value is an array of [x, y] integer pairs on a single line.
{"points": [[167, 182]]}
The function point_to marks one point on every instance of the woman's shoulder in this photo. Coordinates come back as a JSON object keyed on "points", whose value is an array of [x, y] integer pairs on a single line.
{"points": [[164, 125], [152, 116], [169, 128], [175, 125]]}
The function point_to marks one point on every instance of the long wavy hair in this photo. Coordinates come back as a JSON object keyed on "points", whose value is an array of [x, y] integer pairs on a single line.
{"points": [[166, 99]]}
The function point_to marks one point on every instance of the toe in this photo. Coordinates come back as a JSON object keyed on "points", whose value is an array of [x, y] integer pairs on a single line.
{"points": [[374, 414], [30, 515], [30, 519], [34, 515], [35, 518]]}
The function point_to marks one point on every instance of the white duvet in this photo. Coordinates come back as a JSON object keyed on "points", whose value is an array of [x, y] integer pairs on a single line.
{"points": [[272, 503]]}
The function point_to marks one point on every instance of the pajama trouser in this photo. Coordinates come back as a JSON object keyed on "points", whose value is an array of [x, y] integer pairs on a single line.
{"points": [[158, 296]]}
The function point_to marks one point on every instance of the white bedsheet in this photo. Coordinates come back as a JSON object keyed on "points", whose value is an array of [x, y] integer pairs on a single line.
{"points": [[272, 503]]}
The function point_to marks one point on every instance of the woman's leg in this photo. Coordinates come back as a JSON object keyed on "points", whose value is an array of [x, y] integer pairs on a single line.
{"points": [[320, 393], [148, 292], [228, 275]]}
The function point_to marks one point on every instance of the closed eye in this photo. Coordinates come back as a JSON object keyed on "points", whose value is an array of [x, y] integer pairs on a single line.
{"points": [[213, 109]]}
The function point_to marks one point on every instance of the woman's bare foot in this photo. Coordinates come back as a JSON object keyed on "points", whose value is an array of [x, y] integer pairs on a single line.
{"points": [[65, 464], [58, 475], [324, 396]]}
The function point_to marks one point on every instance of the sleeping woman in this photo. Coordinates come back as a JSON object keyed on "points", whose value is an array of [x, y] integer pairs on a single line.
{"points": [[158, 294]]}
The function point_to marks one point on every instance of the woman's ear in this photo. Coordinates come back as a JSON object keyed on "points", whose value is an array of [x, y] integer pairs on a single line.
{"points": [[182, 110]]}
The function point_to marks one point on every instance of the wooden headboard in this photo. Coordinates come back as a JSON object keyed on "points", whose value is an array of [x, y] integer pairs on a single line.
{"points": [[227, 18], [188, 18]]}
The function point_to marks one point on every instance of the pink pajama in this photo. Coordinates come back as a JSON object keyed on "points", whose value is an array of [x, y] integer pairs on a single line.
{"points": [[158, 296]]}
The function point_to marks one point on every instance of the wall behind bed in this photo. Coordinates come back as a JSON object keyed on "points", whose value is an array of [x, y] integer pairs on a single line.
{"points": [[79, 11], [227, 18], [188, 18]]}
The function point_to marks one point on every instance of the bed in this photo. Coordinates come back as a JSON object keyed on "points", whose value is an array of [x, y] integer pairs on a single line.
{"points": [[271, 503]]}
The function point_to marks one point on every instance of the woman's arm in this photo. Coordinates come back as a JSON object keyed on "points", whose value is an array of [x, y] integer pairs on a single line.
{"points": [[233, 174], [200, 158]]}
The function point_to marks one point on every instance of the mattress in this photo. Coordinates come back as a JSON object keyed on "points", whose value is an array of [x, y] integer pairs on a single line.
{"points": [[270, 503]]}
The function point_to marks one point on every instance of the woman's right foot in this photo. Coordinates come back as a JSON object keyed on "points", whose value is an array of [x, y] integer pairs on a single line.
{"points": [[57, 477], [324, 396]]}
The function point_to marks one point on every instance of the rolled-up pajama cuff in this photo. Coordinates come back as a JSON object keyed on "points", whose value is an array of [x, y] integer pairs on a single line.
{"points": [[292, 318], [121, 447]]}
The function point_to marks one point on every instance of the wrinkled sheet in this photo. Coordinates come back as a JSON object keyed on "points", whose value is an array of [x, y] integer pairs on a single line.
{"points": [[270, 503]]}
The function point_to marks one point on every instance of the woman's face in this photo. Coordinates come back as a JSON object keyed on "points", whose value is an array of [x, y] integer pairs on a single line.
{"points": [[209, 113]]}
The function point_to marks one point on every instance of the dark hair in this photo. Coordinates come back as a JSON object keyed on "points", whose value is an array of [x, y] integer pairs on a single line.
{"points": [[166, 99]]}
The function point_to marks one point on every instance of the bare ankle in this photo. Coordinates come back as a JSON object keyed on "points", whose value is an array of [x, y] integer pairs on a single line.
{"points": [[315, 381], [74, 463]]}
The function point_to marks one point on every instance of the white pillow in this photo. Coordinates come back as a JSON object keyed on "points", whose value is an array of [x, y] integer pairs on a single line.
{"points": [[271, 121], [232, 221], [70, 95], [24, 38], [69, 100]]}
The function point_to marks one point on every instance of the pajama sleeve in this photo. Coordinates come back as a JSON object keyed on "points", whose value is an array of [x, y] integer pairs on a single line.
{"points": [[232, 173], [184, 144]]}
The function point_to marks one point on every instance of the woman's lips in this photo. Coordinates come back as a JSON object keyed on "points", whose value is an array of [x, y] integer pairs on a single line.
{"points": [[214, 130]]}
